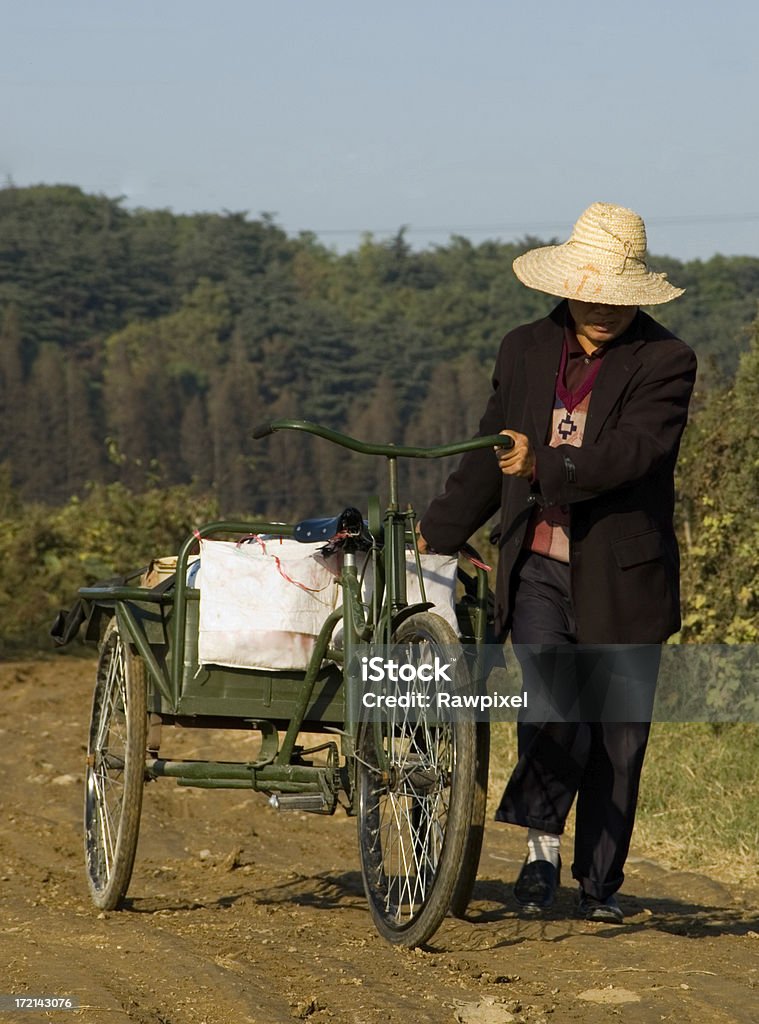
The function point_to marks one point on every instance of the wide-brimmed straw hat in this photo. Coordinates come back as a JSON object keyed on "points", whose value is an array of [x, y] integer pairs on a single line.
{"points": [[603, 261]]}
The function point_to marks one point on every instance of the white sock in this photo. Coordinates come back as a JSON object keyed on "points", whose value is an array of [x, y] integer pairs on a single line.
{"points": [[543, 846]]}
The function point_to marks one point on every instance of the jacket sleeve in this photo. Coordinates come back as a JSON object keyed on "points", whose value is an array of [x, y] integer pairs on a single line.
{"points": [[472, 493], [647, 433]]}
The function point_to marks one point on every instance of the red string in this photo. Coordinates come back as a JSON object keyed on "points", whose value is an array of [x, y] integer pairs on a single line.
{"points": [[257, 537], [476, 562]]}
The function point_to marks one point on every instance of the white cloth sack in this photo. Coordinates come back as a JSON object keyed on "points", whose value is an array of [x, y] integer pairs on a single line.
{"points": [[439, 575], [262, 604]]}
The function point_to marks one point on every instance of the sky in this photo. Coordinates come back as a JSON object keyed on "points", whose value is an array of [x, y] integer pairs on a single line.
{"points": [[490, 119]]}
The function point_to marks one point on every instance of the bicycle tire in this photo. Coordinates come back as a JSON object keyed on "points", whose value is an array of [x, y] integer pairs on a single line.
{"points": [[470, 861], [414, 816], [115, 772]]}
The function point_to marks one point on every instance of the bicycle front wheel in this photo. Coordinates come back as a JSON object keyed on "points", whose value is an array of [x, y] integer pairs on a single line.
{"points": [[462, 893], [416, 779]]}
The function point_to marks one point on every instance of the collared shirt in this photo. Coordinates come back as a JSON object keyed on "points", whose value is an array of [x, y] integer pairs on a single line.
{"points": [[578, 369], [548, 528]]}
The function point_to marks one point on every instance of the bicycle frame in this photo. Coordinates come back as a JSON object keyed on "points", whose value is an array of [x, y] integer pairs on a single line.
{"points": [[389, 600]]}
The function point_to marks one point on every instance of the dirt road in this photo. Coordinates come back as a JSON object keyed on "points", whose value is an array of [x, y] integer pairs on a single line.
{"points": [[239, 914]]}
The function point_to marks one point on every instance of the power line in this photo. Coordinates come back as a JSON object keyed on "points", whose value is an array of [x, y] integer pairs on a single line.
{"points": [[533, 226]]}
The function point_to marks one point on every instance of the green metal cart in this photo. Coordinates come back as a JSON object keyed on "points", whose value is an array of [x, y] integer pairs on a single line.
{"points": [[417, 785]]}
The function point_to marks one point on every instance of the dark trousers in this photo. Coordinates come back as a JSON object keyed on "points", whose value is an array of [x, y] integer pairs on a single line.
{"points": [[582, 749]]}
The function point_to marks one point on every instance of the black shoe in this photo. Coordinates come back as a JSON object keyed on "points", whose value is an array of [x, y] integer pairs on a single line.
{"points": [[535, 888], [593, 909]]}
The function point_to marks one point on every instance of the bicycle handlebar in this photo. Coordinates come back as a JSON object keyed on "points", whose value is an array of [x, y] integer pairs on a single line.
{"points": [[388, 450]]}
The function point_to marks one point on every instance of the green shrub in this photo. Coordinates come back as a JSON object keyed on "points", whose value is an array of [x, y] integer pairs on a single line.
{"points": [[48, 553]]}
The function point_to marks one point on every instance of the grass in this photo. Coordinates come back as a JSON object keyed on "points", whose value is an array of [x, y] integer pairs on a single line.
{"points": [[699, 800]]}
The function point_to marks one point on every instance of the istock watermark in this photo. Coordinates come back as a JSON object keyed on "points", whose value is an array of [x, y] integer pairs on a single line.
{"points": [[390, 692], [437, 683], [378, 670], [559, 683]]}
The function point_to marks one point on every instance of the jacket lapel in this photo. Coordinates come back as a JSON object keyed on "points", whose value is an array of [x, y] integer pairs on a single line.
{"points": [[619, 366], [542, 360]]}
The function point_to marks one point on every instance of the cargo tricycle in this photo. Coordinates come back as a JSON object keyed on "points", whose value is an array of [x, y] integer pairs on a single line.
{"points": [[416, 783]]}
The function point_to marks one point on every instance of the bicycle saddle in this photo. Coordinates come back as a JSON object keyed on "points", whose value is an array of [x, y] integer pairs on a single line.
{"points": [[335, 530]]}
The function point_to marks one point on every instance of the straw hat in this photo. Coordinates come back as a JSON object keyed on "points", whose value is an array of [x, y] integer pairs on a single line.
{"points": [[603, 261]]}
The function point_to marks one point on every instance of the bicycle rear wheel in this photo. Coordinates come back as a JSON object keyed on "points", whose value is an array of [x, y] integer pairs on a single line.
{"points": [[416, 777], [115, 770]]}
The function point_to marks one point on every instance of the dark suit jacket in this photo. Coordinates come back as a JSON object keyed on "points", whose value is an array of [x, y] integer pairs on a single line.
{"points": [[619, 485]]}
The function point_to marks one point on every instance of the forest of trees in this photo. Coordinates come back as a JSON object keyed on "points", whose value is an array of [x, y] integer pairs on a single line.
{"points": [[143, 347], [138, 349]]}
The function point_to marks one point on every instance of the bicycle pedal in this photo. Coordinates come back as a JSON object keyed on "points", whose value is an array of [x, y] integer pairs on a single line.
{"points": [[298, 802]]}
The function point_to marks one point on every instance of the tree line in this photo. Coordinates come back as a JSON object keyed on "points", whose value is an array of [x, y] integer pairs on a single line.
{"points": [[143, 346]]}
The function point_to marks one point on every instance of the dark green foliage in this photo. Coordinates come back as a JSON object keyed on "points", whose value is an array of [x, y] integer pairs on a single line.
{"points": [[715, 315], [138, 350], [47, 554], [719, 481], [63, 263], [143, 346]]}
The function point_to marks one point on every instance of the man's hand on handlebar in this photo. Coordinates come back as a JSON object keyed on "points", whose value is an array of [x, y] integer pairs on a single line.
{"points": [[519, 460]]}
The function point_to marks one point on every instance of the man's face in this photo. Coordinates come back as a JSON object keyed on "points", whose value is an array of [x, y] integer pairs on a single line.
{"points": [[596, 323]]}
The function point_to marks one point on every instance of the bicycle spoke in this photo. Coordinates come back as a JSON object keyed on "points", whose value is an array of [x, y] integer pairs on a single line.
{"points": [[412, 822]]}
